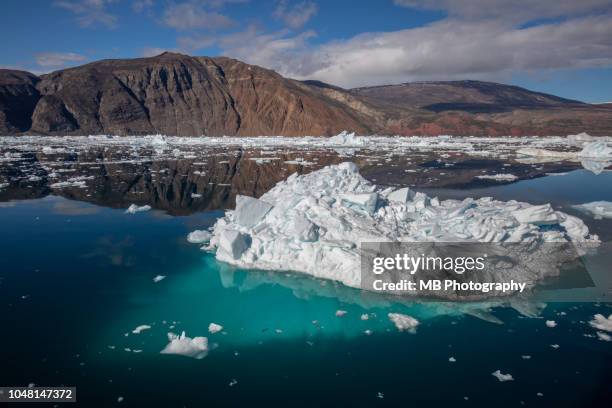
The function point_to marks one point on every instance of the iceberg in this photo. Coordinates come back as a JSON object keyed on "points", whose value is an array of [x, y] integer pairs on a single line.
{"points": [[199, 237], [141, 328], [345, 138], [502, 377], [602, 322], [315, 223], [498, 177], [596, 209], [404, 322], [596, 150], [196, 347], [214, 328], [133, 209]]}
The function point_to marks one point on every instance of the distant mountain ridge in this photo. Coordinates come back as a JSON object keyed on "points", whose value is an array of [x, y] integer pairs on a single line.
{"points": [[177, 94]]}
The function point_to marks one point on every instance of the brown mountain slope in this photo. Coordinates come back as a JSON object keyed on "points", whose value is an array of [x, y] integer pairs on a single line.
{"points": [[481, 109], [176, 94]]}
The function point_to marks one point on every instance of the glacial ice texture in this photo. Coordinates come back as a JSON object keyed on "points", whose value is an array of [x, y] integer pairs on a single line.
{"points": [[315, 223]]}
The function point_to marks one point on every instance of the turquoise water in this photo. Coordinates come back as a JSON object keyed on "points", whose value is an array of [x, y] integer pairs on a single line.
{"points": [[76, 278]]}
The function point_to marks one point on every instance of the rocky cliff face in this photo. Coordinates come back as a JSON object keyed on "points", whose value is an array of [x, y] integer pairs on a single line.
{"points": [[18, 97], [175, 94]]}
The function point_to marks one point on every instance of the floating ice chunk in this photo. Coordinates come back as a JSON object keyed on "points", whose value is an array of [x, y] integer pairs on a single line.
{"points": [[199, 236], [502, 377], [159, 278], [526, 357], [452, 359], [141, 328], [345, 138], [315, 224], [579, 139], [249, 211], [604, 336], [340, 313], [214, 328], [551, 323], [602, 322], [233, 243], [186, 346], [365, 316], [233, 382], [597, 150], [555, 346], [402, 195], [498, 177], [133, 209], [194, 195], [596, 209], [537, 214], [404, 322]]}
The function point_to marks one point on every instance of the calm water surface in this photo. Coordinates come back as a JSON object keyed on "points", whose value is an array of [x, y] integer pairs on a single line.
{"points": [[77, 278]]}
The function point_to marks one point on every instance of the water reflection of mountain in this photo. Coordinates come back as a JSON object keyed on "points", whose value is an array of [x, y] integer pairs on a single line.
{"points": [[185, 182]]}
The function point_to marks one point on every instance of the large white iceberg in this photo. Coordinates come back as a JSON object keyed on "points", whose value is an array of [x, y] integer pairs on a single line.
{"points": [[315, 223]]}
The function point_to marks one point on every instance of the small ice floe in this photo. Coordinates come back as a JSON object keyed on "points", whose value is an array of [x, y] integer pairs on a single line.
{"points": [[159, 278], [141, 328], [555, 346], [119, 399], [526, 357], [364, 316], [233, 382], [596, 209], [502, 377], [368, 332], [404, 322], [551, 323], [194, 195], [199, 236], [452, 359], [604, 336], [380, 395], [539, 394], [214, 328], [196, 347], [602, 322], [340, 313], [498, 177], [78, 182], [133, 209]]}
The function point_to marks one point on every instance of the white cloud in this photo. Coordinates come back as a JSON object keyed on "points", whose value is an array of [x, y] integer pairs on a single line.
{"points": [[515, 10], [192, 15], [297, 15], [57, 59], [89, 12], [447, 49]]}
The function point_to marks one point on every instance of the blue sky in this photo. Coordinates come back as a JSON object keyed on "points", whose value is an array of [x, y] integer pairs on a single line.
{"points": [[559, 46]]}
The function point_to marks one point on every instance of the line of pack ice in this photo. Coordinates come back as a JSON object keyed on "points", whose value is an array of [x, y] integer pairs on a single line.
{"points": [[314, 224]]}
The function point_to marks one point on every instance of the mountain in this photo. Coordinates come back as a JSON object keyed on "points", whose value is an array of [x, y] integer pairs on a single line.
{"points": [[176, 94]]}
